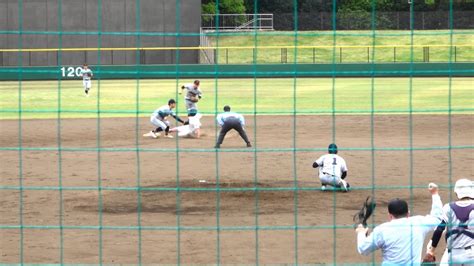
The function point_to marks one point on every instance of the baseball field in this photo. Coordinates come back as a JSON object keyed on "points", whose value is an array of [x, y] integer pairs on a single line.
{"points": [[81, 185]]}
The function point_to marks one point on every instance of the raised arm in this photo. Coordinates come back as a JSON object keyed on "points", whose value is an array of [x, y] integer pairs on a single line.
{"points": [[435, 217]]}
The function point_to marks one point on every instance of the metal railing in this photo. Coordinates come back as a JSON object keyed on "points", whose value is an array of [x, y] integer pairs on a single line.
{"points": [[206, 56], [237, 22], [209, 54]]}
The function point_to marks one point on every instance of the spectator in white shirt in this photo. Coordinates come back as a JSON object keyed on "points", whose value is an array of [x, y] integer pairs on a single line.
{"points": [[401, 239]]}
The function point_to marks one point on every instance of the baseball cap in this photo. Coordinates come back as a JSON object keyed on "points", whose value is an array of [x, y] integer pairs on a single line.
{"points": [[332, 148], [464, 188], [226, 108], [171, 101]]}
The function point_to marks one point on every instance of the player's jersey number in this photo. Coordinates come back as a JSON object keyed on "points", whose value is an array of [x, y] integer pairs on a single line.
{"points": [[71, 72]]}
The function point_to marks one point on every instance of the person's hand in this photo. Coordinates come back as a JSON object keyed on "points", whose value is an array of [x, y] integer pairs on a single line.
{"points": [[433, 188], [361, 229]]}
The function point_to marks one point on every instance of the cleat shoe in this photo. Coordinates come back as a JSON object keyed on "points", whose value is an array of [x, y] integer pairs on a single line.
{"points": [[344, 186], [217, 146], [249, 145], [151, 134]]}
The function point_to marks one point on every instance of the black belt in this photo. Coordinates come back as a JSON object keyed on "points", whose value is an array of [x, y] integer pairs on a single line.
{"points": [[466, 248]]}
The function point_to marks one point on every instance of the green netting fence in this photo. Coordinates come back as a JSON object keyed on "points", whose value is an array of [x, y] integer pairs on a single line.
{"points": [[81, 185]]}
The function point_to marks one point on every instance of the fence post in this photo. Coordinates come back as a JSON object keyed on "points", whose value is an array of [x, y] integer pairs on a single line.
{"points": [[394, 54], [314, 56], [340, 54], [368, 54], [426, 54], [215, 55], [455, 53], [227, 55]]}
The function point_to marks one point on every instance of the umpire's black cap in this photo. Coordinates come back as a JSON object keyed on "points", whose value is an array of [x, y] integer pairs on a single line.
{"points": [[332, 149], [226, 108], [398, 208]]}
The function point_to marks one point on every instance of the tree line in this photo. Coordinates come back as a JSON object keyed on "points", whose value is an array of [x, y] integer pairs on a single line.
{"points": [[308, 6]]}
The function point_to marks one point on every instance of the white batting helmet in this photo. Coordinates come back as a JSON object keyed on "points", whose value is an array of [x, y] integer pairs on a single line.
{"points": [[464, 188]]}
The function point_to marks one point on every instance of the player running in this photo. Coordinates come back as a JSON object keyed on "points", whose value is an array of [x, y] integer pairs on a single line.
{"points": [[193, 95], [86, 75], [332, 169], [160, 121]]}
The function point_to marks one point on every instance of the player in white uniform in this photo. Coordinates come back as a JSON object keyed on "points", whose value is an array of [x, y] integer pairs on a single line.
{"points": [[401, 239], [332, 169], [86, 75], [192, 129], [458, 217], [193, 95], [159, 119]]}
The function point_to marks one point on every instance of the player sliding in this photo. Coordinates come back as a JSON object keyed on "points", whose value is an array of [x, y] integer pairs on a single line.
{"points": [[159, 119], [193, 127], [332, 169]]}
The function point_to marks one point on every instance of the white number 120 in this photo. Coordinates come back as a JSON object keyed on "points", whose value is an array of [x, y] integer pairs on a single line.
{"points": [[71, 71]]}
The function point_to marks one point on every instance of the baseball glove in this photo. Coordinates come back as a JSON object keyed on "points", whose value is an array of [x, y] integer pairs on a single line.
{"points": [[429, 258], [194, 99], [365, 212]]}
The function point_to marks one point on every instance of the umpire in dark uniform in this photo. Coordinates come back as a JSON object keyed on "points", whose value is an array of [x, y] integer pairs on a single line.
{"points": [[230, 120]]}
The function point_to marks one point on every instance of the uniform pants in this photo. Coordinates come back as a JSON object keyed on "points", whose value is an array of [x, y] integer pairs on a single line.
{"points": [[86, 83], [232, 123], [330, 180], [163, 124], [190, 105], [458, 256]]}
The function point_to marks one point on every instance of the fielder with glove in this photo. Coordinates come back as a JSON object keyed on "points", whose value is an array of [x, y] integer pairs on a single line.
{"points": [[193, 95]]}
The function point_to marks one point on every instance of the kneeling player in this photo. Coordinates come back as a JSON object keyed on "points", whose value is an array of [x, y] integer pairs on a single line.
{"points": [[332, 169]]}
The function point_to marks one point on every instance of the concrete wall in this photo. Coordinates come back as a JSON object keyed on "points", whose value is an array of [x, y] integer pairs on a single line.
{"points": [[76, 24]]}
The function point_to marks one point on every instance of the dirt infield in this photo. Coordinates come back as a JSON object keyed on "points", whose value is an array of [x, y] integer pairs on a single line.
{"points": [[180, 227]]}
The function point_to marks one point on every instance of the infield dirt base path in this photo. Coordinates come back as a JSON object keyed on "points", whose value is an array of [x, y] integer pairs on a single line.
{"points": [[180, 227]]}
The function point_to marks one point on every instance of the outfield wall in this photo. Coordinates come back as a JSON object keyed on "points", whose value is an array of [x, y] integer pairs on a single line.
{"points": [[43, 24], [242, 71]]}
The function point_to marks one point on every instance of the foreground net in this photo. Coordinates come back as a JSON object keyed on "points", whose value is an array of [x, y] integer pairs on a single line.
{"points": [[107, 195]]}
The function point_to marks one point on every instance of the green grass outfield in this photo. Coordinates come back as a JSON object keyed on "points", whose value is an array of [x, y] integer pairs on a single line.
{"points": [[128, 98], [345, 46]]}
